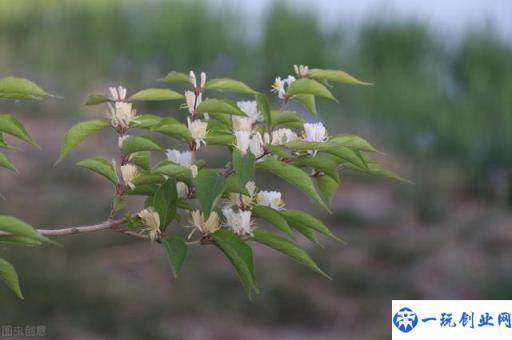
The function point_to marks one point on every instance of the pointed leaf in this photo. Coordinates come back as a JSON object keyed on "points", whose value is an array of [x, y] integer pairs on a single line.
{"points": [[353, 142], [308, 101], [164, 202], [6, 163], [174, 130], [219, 106], [16, 226], [154, 94], [138, 143], [100, 166], [327, 187], [300, 217], [19, 88], [335, 75], [10, 277], [287, 118], [239, 254], [180, 173], [10, 125], [243, 166], [176, 250], [231, 85], [95, 99], [78, 133], [294, 176], [287, 247], [209, 187], [271, 216], [175, 77], [264, 107], [309, 86], [145, 121]]}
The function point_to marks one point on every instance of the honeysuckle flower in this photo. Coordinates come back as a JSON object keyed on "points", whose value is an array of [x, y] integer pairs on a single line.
{"points": [[301, 70], [280, 86], [315, 132], [242, 141], [198, 130], [197, 222], [182, 189], [283, 136], [241, 123], [192, 78], [270, 199], [191, 102], [256, 145], [203, 79], [183, 158], [241, 200], [239, 222], [250, 108], [121, 114], [193, 170], [129, 172], [117, 93], [151, 220]]}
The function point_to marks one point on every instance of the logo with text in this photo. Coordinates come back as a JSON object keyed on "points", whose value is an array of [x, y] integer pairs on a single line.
{"points": [[405, 320]]}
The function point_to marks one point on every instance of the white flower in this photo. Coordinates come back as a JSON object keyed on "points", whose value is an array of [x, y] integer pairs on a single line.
{"points": [[182, 189], [242, 141], [151, 220], [121, 114], [270, 199], [193, 170], [315, 132], [183, 158], [241, 123], [197, 222], [280, 86], [129, 172], [241, 200], [301, 70], [283, 136], [191, 102], [250, 108], [239, 221], [192, 78], [198, 130], [203, 79], [117, 93], [256, 145]]}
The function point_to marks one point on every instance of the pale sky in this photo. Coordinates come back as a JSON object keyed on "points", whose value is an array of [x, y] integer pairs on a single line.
{"points": [[446, 16]]}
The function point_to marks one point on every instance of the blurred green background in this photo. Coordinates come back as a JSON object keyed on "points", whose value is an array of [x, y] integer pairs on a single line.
{"points": [[440, 109]]}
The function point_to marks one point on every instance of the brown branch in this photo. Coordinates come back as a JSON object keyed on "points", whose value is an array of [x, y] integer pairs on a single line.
{"points": [[109, 224]]}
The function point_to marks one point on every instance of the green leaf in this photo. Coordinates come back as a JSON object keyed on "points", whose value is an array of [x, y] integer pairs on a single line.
{"points": [[100, 166], [243, 166], [309, 86], [231, 85], [297, 217], [3, 144], [138, 143], [15, 240], [174, 130], [10, 277], [240, 256], [294, 176], [164, 202], [95, 99], [10, 125], [308, 233], [319, 162], [175, 77], [347, 155], [148, 179], [78, 133], [6, 163], [176, 250], [287, 118], [219, 106], [16, 226], [19, 88], [353, 142], [220, 139], [180, 173], [145, 121], [308, 101], [287, 247], [142, 159], [209, 187], [264, 107], [335, 75], [327, 187], [271, 216], [232, 185], [156, 95]]}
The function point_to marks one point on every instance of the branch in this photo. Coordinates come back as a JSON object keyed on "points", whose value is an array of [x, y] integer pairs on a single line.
{"points": [[109, 224]]}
